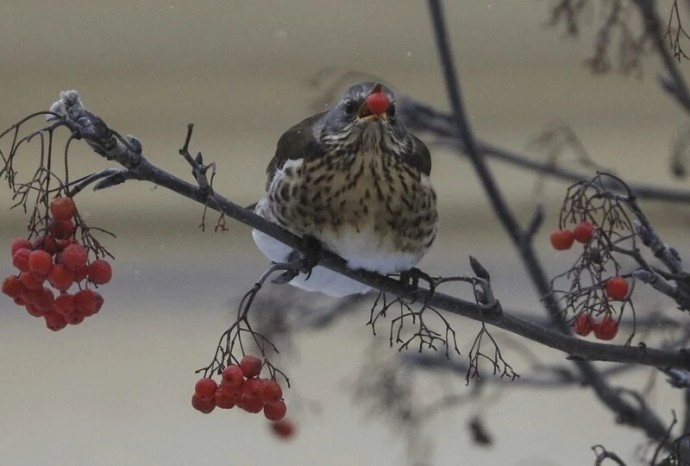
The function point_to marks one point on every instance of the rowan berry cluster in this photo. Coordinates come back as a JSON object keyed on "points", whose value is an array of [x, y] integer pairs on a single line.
{"points": [[605, 329], [50, 265], [241, 386], [615, 288], [602, 215]]}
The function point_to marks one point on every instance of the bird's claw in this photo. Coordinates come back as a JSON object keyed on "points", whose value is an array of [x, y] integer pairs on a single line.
{"points": [[301, 262], [410, 278], [285, 277], [312, 254]]}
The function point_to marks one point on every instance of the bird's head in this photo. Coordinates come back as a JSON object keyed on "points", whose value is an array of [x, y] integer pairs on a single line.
{"points": [[364, 117]]}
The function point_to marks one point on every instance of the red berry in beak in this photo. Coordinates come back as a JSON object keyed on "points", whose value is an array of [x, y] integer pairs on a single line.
{"points": [[378, 103]]}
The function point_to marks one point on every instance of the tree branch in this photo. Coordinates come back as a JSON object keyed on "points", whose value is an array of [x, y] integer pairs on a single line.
{"points": [[107, 143], [626, 412], [675, 84], [422, 117]]}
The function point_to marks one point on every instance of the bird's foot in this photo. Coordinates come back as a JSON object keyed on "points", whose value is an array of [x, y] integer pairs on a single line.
{"points": [[312, 254], [285, 277], [301, 263], [410, 278]]}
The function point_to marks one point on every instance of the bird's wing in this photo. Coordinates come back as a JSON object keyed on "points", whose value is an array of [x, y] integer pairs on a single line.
{"points": [[296, 143], [420, 157]]}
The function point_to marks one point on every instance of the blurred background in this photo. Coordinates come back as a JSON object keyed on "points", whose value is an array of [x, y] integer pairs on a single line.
{"points": [[116, 389]]}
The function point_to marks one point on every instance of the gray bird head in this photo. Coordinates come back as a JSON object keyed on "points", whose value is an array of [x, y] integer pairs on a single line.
{"points": [[365, 117]]}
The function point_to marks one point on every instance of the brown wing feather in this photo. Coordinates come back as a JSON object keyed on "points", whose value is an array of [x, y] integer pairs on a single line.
{"points": [[420, 157], [296, 143]]}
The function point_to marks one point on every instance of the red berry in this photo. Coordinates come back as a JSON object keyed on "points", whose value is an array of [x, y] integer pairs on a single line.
{"points": [[224, 401], [617, 288], [64, 304], [275, 411], [80, 272], [55, 321], [271, 392], [250, 404], [30, 282], [583, 232], [283, 428], [86, 302], [253, 388], [63, 243], [251, 366], [45, 299], [60, 277], [378, 103], [62, 229], [234, 392], [98, 299], [205, 388], [18, 244], [12, 286], [32, 296], [47, 243], [74, 318], [34, 310], [583, 324], [40, 262], [203, 405], [606, 329], [100, 272], [20, 259], [562, 239], [62, 208], [233, 375], [74, 256]]}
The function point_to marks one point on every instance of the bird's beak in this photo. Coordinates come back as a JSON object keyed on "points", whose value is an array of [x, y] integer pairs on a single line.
{"points": [[375, 105]]}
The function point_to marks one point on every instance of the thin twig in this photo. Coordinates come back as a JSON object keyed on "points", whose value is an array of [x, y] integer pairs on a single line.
{"points": [[651, 424]]}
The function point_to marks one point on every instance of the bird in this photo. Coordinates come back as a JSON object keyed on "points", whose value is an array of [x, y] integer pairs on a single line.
{"points": [[357, 181]]}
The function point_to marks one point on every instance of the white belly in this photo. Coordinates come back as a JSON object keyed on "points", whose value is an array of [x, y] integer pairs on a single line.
{"points": [[355, 223], [321, 279]]}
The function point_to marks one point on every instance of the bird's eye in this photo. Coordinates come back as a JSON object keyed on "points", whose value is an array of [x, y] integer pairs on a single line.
{"points": [[391, 112], [350, 107]]}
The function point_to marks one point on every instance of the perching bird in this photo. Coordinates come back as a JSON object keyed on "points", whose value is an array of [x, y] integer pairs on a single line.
{"points": [[355, 179]]}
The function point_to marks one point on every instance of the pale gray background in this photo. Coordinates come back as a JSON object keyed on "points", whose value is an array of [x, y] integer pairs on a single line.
{"points": [[116, 389]]}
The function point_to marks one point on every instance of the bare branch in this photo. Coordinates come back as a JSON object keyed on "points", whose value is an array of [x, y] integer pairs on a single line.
{"points": [[646, 421], [422, 117], [107, 143], [675, 83]]}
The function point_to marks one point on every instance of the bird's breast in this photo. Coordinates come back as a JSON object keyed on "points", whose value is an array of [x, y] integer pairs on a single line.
{"points": [[372, 209]]}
